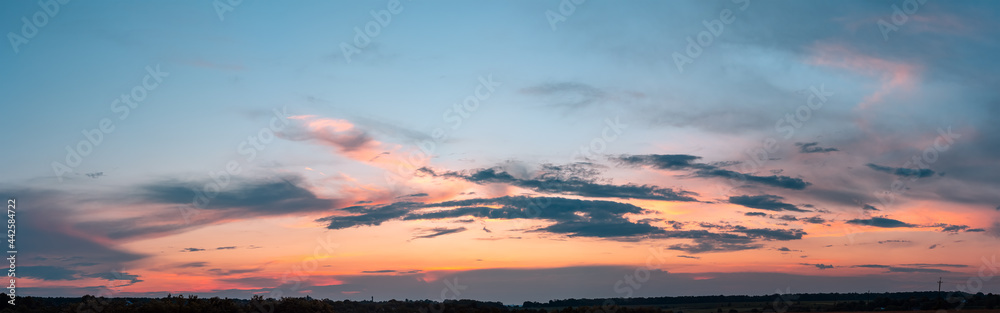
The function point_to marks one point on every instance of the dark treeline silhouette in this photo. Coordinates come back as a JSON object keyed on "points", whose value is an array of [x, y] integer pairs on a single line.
{"points": [[828, 302], [842, 302]]}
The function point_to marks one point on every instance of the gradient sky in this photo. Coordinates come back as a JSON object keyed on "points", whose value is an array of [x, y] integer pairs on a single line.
{"points": [[504, 150]]}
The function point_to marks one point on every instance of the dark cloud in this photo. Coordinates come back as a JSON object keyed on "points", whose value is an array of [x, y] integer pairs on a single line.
{"points": [[932, 247], [45, 272], [222, 272], [755, 214], [266, 197], [771, 234], [688, 257], [379, 271], [789, 218], [894, 269], [811, 147], [902, 172], [869, 207], [872, 266], [192, 250], [731, 238], [226, 248], [686, 162], [416, 195], [116, 276], [954, 229], [571, 217], [946, 228], [936, 265], [51, 231], [813, 220], [192, 264], [587, 218], [785, 249], [881, 222], [912, 268], [95, 175], [819, 266], [893, 241], [764, 202], [565, 180], [703, 247], [440, 231]]}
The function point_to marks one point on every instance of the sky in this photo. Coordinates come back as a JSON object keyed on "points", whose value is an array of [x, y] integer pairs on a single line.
{"points": [[501, 150]]}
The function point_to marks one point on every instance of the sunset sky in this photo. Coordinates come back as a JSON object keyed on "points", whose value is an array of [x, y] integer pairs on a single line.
{"points": [[502, 150]]}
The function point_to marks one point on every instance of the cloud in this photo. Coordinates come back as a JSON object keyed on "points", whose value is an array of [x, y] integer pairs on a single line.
{"points": [[116, 276], [192, 264], [226, 248], [869, 207], [45, 272], [732, 238], [936, 265], [685, 162], [562, 180], [191, 250], [339, 134], [785, 249], [265, 197], [703, 247], [932, 247], [440, 231], [811, 147], [571, 217], [95, 175], [871, 266], [819, 266], [688, 257], [755, 214], [379, 271], [911, 268], [893, 241], [954, 229], [587, 218], [569, 94], [415, 195], [881, 222], [764, 202], [915, 270], [813, 220], [902, 172]]}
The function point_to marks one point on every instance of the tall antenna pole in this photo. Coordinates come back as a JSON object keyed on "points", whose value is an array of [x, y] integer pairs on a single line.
{"points": [[939, 284]]}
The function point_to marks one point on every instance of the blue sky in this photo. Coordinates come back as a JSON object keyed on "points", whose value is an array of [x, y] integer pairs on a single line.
{"points": [[853, 105]]}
